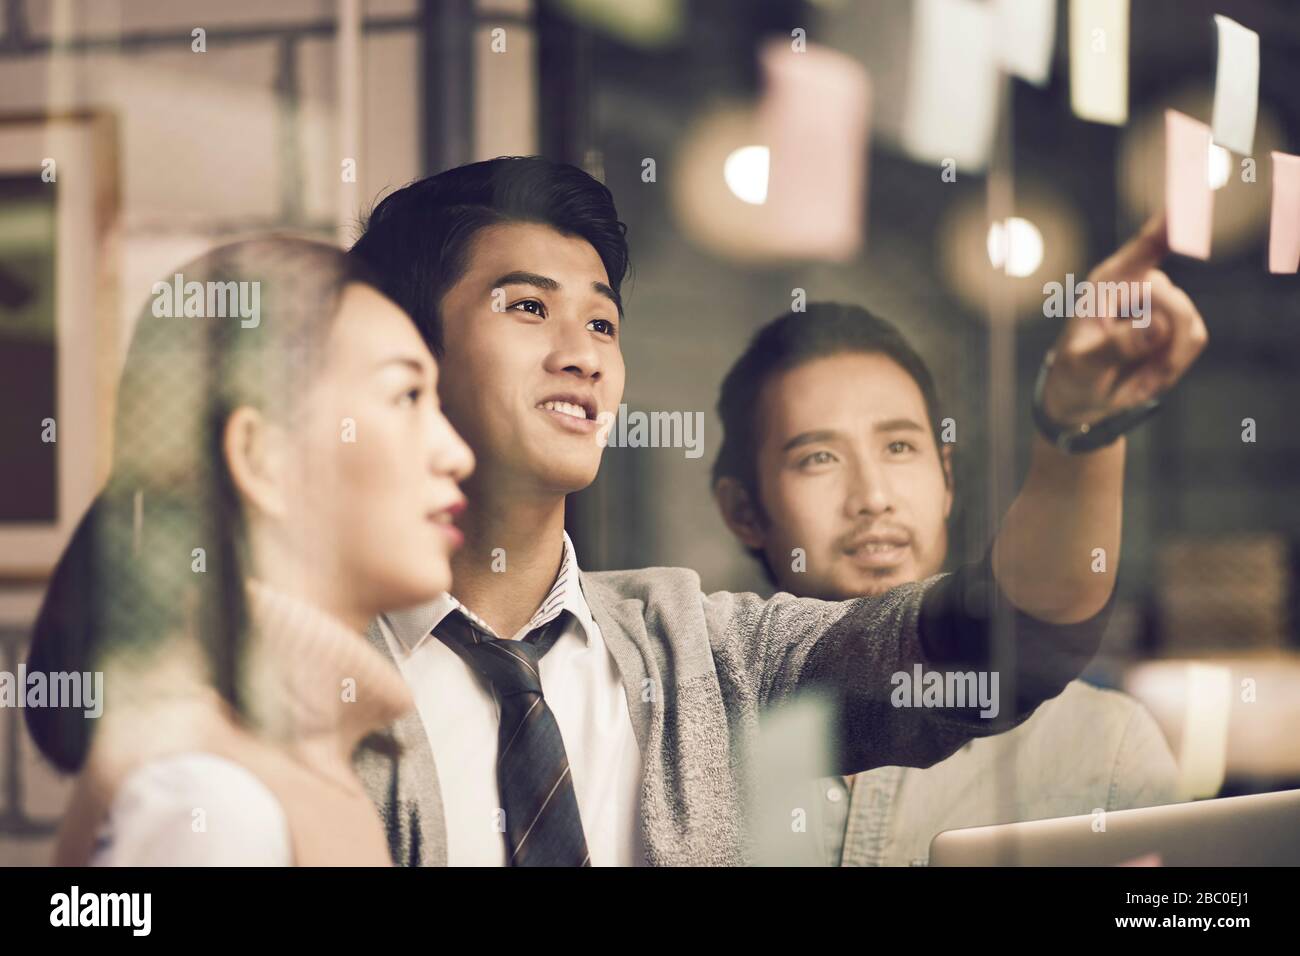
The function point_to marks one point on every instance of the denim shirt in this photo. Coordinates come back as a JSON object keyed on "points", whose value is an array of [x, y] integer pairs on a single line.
{"points": [[1082, 750]]}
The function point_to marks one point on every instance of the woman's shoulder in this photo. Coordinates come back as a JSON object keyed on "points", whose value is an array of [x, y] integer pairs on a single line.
{"points": [[193, 809]]}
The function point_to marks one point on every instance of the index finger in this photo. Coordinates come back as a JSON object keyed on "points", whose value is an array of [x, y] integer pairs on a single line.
{"points": [[1142, 253]]}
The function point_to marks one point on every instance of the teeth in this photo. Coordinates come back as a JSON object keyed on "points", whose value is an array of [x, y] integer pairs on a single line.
{"points": [[565, 408], [877, 548]]}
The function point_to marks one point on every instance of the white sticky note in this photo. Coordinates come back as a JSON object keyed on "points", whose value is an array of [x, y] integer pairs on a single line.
{"points": [[792, 752], [1099, 60], [1236, 86], [1026, 35], [1189, 199], [953, 84], [1203, 755], [1284, 227]]}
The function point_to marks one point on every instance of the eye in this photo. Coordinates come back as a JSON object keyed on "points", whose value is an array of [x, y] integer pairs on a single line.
{"points": [[606, 327], [900, 447], [531, 306], [411, 396], [817, 458]]}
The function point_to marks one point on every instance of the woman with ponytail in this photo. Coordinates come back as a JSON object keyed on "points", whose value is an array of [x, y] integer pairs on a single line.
{"points": [[282, 473]]}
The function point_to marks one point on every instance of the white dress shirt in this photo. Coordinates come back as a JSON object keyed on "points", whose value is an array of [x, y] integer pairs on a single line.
{"points": [[461, 715]]}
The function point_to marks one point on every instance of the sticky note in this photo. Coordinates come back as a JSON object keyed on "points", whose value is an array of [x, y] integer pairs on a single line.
{"points": [[1189, 200], [791, 751], [1236, 86], [953, 84], [1099, 60], [1203, 754], [815, 119], [1284, 228], [1026, 36]]}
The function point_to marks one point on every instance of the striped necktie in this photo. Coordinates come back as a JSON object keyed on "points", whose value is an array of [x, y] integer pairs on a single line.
{"points": [[543, 827]]}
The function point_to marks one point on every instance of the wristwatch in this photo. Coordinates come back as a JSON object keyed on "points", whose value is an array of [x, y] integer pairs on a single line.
{"points": [[1077, 439]]}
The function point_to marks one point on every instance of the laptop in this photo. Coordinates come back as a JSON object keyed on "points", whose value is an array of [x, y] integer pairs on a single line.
{"points": [[1257, 830]]}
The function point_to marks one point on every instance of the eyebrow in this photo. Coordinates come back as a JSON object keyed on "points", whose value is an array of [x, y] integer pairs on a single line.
{"points": [[527, 278], [898, 425], [537, 281], [408, 361], [826, 434], [809, 438], [601, 289]]}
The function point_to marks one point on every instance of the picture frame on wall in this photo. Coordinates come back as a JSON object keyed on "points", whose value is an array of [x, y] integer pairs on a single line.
{"points": [[58, 322]]}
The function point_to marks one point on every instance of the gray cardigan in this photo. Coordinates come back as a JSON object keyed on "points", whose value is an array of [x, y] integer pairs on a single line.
{"points": [[697, 670]]}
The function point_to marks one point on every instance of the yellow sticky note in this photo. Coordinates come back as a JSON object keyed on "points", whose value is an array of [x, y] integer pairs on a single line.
{"points": [[1099, 60]]}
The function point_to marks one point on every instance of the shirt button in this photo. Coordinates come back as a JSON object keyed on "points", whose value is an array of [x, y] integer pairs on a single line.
{"points": [[834, 794]]}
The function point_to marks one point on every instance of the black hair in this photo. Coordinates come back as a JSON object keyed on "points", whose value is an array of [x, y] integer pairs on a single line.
{"points": [[124, 584], [785, 343], [418, 238]]}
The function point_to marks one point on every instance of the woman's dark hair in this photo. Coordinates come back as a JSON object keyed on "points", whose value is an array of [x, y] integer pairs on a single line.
{"points": [[131, 577], [418, 238], [785, 343]]}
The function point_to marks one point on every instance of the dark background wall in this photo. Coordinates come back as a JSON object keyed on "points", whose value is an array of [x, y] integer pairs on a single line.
{"points": [[691, 312]]}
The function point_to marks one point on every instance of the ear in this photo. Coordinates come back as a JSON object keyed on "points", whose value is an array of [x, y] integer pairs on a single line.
{"points": [[254, 454], [738, 512], [945, 457]]}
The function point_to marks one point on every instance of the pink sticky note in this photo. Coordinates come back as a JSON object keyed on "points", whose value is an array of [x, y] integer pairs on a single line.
{"points": [[1189, 199], [815, 117], [1284, 230]]}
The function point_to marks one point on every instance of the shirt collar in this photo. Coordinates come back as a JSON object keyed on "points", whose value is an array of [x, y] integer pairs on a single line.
{"points": [[413, 626]]}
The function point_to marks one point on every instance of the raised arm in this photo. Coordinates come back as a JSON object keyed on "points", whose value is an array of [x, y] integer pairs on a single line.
{"points": [[1043, 574], [1045, 557]]}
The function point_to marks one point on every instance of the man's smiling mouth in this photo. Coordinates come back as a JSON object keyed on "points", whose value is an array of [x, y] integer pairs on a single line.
{"points": [[565, 408], [879, 550], [573, 412]]}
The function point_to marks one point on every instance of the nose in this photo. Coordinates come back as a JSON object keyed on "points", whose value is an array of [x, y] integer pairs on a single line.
{"points": [[869, 492], [573, 349], [450, 457]]}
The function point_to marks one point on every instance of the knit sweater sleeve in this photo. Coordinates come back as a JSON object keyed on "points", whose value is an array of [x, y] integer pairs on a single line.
{"points": [[193, 809], [911, 674]]}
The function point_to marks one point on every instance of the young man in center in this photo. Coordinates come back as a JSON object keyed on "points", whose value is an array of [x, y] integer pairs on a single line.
{"points": [[832, 446], [567, 718]]}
